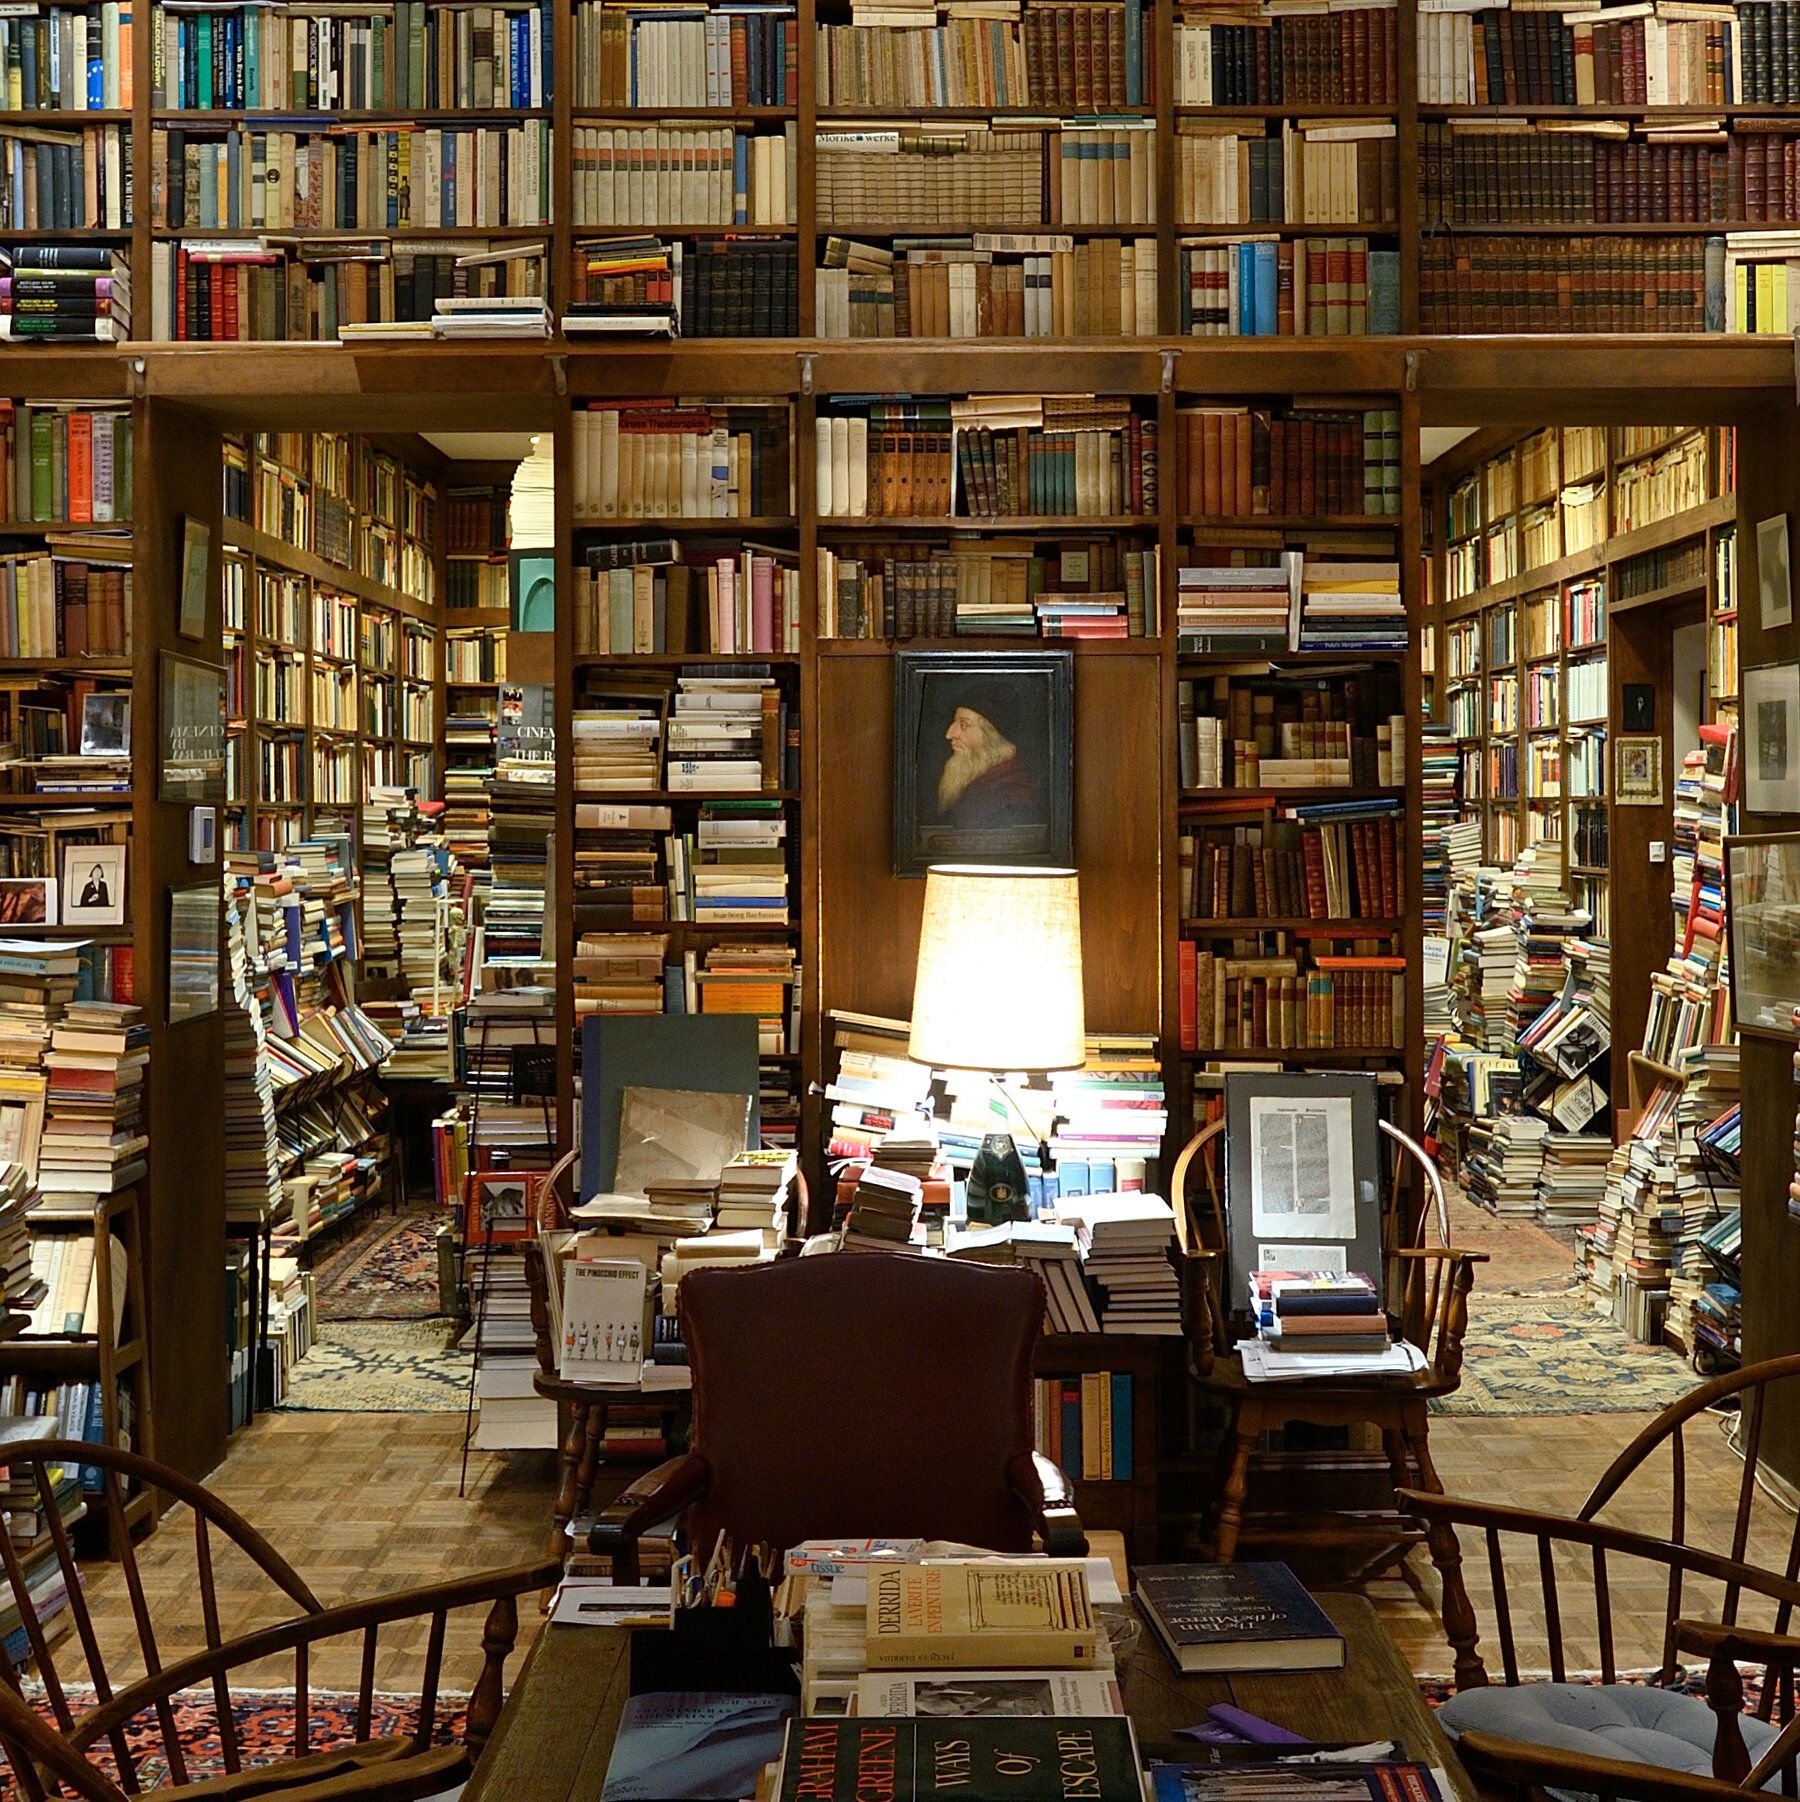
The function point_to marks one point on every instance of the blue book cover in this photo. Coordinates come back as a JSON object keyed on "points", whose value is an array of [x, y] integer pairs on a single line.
{"points": [[709, 1745], [1071, 1425], [1384, 292], [1268, 275], [1072, 1177], [1101, 1180], [1244, 259], [1121, 1426], [1134, 53]]}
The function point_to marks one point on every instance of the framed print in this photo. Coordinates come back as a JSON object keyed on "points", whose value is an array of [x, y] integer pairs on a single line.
{"points": [[503, 1205], [1771, 738], [27, 901], [1762, 916], [984, 758], [1638, 774], [93, 885], [106, 725], [193, 730], [22, 1099], [196, 553], [1774, 581], [194, 916]]}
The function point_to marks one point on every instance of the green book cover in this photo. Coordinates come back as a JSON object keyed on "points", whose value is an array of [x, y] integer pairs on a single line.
{"points": [[59, 466], [204, 60], [43, 486], [970, 1758]]}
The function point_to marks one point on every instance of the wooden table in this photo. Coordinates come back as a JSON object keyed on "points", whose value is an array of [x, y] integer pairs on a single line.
{"points": [[554, 1739]]}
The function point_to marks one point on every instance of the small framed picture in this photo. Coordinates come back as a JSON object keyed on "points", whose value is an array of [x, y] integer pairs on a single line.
{"points": [[27, 901], [1638, 773], [196, 553], [193, 731], [502, 1205], [106, 725], [93, 885], [1762, 911], [1774, 583], [1771, 729]]}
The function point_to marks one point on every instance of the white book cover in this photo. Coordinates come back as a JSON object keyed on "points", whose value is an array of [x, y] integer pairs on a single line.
{"points": [[603, 1323]]}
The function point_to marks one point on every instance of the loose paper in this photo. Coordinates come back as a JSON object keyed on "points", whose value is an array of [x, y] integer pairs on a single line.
{"points": [[1302, 1177]]}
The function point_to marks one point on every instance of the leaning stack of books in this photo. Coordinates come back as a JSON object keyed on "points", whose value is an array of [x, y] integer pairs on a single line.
{"points": [[94, 1138], [20, 1288], [1128, 1241], [64, 293]]}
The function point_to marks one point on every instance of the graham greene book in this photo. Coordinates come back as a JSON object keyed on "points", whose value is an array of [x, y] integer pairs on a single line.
{"points": [[1237, 1617], [1073, 1759], [981, 1617]]}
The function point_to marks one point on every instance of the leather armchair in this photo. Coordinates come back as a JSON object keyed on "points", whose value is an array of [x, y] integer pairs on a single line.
{"points": [[846, 1397]]}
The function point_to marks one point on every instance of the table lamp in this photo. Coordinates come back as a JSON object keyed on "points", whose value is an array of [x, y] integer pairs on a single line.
{"points": [[999, 988]]}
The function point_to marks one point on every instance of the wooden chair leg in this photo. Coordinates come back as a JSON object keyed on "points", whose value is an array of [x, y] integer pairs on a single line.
{"points": [[1460, 1626], [499, 1633], [1237, 1481], [568, 1460], [593, 1426], [1393, 1442]]}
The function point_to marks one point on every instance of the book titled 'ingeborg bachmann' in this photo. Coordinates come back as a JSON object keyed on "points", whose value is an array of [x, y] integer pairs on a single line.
{"points": [[1085, 1759]]}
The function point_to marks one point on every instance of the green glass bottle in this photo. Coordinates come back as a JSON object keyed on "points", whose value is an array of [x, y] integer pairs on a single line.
{"points": [[997, 1187]]}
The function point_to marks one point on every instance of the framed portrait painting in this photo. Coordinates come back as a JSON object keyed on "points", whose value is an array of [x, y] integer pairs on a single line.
{"points": [[984, 759]]}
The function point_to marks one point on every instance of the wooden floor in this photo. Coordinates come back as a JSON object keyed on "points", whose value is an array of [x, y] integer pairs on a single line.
{"points": [[363, 1504]]}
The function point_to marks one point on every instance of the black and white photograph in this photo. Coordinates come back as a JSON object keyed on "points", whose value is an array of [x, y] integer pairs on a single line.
{"points": [[1774, 578], [93, 885], [1772, 738]]}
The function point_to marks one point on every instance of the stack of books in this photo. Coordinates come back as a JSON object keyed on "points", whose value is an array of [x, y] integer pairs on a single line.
{"points": [[616, 749], [64, 293], [1128, 1239], [884, 1212], [94, 1136], [21, 1288], [1573, 1178], [755, 1189], [521, 805], [625, 287], [733, 871], [727, 734], [252, 1153], [1239, 610], [1051, 1249], [1313, 1323], [1351, 607], [1506, 1155]]}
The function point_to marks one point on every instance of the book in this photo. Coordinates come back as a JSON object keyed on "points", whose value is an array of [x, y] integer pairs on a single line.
{"points": [[704, 1745], [1237, 1617], [1292, 1781], [981, 1616], [1019, 1760], [974, 1693]]}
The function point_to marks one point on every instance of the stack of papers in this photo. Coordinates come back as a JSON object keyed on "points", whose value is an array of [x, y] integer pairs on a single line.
{"points": [[1261, 1365]]}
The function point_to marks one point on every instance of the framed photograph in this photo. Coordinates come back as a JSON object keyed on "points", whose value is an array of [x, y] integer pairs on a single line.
{"points": [[93, 885], [22, 1098], [1762, 916], [1774, 582], [193, 730], [1771, 738], [1638, 774], [984, 759], [196, 553], [195, 914], [27, 901], [106, 725]]}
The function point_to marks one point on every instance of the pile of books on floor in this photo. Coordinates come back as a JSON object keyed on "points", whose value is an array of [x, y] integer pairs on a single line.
{"points": [[252, 1154], [1318, 1323], [64, 294], [1505, 1156], [523, 811], [1573, 1178]]}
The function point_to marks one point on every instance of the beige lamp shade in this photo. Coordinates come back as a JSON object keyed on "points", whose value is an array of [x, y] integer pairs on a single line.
{"points": [[999, 982]]}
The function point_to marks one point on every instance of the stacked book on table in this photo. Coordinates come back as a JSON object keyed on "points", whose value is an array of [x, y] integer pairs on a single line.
{"points": [[1315, 1323]]}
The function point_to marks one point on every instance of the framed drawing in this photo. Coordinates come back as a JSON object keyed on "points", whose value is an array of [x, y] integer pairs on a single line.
{"points": [[196, 552], [1762, 916], [1774, 581], [1638, 777], [27, 901], [194, 916], [93, 885], [1771, 738], [984, 758], [193, 730]]}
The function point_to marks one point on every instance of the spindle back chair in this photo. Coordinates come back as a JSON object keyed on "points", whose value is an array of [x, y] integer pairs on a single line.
{"points": [[52, 1755]]}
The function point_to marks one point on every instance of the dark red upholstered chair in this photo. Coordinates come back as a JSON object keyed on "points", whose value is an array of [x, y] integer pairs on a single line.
{"points": [[856, 1395]]}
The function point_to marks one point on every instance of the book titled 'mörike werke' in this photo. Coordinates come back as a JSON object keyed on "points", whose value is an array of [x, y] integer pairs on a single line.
{"points": [[1077, 1759], [1237, 1617], [973, 1616]]}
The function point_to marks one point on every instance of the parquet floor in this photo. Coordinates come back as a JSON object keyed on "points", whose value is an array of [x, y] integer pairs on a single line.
{"points": [[363, 1504]]}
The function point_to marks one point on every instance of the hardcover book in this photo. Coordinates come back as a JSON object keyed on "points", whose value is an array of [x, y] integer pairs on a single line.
{"points": [[981, 1616], [1237, 1617]]}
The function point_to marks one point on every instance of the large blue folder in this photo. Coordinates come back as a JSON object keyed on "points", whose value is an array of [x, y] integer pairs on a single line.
{"points": [[714, 1053]]}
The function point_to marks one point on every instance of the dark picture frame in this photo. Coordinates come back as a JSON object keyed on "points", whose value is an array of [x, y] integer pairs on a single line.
{"points": [[1011, 801], [1762, 921], [196, 913], [193, 730]]}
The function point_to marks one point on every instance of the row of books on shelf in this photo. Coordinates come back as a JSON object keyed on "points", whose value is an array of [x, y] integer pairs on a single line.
{"points": [[660, 596], [66, 180], [67, 58], [1345, 55], [1305, 1000], [697, 731], [727, 57], [1241, 461], [1294, 603], [987, 457], [736, 287], [1660, 54], [1319, 869], [635, 972], [1311, 172], [71, 600], [1085, 1424], [665, 458], [1266, 286], [262, 59], [683, 174], [1076, 589], [1308, 753], [64, 462]]}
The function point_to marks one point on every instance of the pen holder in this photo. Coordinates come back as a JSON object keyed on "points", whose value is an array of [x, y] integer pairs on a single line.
{"points": [[714, 1648]]}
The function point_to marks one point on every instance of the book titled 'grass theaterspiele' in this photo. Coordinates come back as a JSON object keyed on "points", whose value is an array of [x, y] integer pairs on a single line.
{"points": [[981, 1616]]}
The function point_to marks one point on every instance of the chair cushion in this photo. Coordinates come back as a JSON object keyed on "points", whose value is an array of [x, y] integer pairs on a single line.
{"points": [[1631, 1721]]}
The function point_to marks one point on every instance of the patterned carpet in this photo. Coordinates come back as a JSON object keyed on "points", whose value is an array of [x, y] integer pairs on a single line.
{"points": [[386, 1270], [265, 1728], [1552, 1354], [380, 1367]]}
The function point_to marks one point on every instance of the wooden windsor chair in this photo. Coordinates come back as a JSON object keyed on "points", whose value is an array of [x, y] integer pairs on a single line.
{"points": [[1628, 1738], [1427, 1289], [52, 1751]]}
